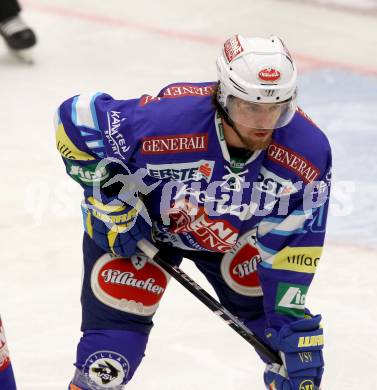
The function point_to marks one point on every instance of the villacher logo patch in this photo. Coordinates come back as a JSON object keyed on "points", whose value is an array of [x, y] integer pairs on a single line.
{"points": [[106, 369]]}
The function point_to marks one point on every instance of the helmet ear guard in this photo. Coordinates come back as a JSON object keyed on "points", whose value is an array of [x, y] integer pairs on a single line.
{"points": [[219, 107], [257, 70]]}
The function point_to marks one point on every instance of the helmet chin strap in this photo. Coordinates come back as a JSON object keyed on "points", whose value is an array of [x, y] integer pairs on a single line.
{"points": [[225, 115], [232, 124], [228, 120], [234, 127]]}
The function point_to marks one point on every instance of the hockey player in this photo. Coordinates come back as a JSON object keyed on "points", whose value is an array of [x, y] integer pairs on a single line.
{"points": [[233, 176], [7, 381], [17, 35]]}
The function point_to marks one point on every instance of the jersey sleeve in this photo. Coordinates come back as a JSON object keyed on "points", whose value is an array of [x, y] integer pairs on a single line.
{"points": [[88, 133], [80, 141], [290, 245]]}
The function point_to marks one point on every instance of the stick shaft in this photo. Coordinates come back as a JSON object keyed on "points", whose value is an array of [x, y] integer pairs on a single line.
{"points": [[152, 252]]}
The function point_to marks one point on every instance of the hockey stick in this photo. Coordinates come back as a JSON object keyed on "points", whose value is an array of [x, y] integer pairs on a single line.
{"points": [[152, 252]]}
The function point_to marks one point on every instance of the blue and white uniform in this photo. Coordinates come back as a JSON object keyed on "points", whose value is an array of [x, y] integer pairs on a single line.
{"points": [[254, 225]]}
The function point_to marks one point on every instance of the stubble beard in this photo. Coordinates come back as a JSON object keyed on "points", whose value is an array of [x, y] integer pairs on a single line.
{"points": [[253, 145]]}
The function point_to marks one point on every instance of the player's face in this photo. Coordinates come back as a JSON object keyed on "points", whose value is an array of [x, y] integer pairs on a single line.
{"points": [[262, 116], [253, 139], [253, 123], [244, 137]]}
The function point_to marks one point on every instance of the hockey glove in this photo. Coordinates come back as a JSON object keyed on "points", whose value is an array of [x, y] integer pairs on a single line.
{"points": [[115, 228], [300, 345]]}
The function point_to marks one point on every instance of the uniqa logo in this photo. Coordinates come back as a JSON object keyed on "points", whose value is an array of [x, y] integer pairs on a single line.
{"points": [[306, 385]]}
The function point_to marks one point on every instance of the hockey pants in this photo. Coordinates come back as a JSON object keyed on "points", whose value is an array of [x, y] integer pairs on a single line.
{"points": [[119, 298]]}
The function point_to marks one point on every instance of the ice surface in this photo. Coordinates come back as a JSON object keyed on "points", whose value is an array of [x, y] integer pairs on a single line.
{"points": [[344, 106], [128, 50], [361, 4]]}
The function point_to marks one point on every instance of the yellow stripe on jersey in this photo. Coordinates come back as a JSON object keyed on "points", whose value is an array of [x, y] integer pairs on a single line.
{"points": [[111, 237], [67, 148], [88, 225], [113, 233]]}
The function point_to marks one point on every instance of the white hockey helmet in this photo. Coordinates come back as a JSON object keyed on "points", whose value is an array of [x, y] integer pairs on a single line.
{"points": [[262, 73]]}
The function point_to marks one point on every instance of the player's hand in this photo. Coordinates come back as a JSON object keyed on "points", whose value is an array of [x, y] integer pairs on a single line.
{"points": [[115, 228], [300, 345]]}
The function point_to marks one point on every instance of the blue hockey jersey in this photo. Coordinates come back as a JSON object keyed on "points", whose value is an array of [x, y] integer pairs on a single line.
{"points": [[267, 214]]}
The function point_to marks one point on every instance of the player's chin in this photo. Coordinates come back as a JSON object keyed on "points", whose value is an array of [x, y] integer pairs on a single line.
{"points": [[259, 140]]}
